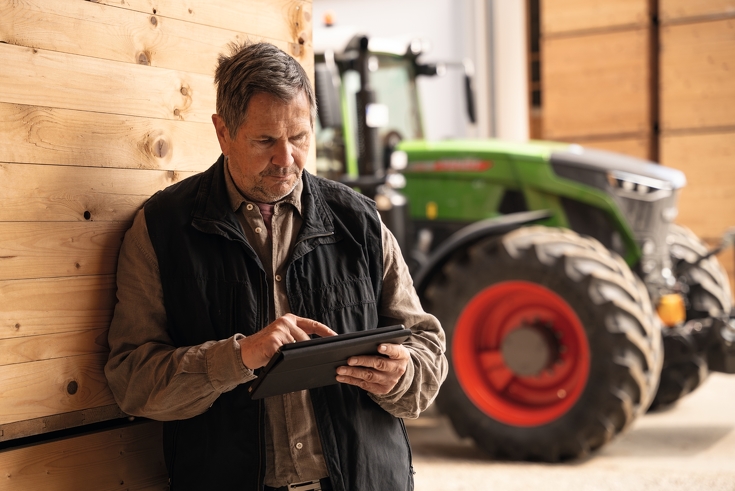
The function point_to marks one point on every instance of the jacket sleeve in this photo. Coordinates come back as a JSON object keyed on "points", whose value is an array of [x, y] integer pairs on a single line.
{"points": [[399, 303], [147, 374]]}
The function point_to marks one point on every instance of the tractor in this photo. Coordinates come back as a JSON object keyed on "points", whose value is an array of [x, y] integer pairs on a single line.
{"points": [[571, 301]]}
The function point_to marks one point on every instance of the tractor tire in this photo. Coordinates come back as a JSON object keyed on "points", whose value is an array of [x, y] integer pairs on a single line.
{"points": [[685, 365], [563, 299]]}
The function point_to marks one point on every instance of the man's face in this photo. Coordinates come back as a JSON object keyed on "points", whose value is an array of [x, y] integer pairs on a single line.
{"points": [[270, 150]]}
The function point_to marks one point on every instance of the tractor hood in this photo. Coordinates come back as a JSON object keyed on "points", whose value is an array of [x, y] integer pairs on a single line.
{"points": [[575, 156]]}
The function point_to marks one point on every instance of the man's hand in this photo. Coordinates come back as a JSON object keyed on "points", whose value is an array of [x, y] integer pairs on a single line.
{"points": [[376, 374], [257, 350]]}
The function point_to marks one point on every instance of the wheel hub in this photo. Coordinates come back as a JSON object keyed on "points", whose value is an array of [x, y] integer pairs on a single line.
{"points": [[529, 350], [520, 353]]}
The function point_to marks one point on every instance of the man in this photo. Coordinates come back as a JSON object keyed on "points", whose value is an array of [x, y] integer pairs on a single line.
{"points": [[221, 269]]}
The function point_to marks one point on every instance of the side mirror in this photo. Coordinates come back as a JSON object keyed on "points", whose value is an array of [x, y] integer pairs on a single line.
{"points": [[469, 90], [327, 97]]}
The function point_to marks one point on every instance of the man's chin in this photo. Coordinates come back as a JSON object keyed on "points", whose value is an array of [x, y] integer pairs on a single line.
{"points": [[276, 192]]}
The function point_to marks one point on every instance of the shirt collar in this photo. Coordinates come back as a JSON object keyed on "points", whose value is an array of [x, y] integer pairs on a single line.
{"points": [[236, 198]]}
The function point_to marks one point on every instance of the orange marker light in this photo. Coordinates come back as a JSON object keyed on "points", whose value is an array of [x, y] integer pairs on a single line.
{"points": [[671, 309]]}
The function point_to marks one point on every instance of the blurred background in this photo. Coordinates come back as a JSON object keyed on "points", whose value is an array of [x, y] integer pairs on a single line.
{"points": [[648, 78]]}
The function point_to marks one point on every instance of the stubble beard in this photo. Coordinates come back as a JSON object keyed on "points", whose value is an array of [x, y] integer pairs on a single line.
{"points": [[262, 193]]}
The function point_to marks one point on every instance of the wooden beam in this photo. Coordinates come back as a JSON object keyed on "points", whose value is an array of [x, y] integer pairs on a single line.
{"points": [[47, 306], [697, 87], [40, 77], [58, 193], [50, 346], [677, 11], [596, 85], [574, 16], [708, 159], [55, 386], [279, 19], [49, 250], [100, 31], [44, 135], [129, 458], [47, 424]]}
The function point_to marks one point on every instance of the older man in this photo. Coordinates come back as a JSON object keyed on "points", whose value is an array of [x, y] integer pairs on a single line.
{"points": [[220, 270]]}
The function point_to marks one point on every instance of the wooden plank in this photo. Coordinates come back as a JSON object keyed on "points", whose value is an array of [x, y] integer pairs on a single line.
{"points": [[283, 19], [92, 29], [697, 72], [58, 345], [48, 306], [688, 10], [40, 77], [44, 135], [706, 205], [127, 458], [60, 193], [637, 146], [596, 85], [49, 250], [565, 16], [56, 386], [47, 424]]}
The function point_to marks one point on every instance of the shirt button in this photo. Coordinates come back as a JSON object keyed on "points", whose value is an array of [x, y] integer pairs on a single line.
{"points": [[299, 445], [278, 277], [249, 207], [258, 230]]}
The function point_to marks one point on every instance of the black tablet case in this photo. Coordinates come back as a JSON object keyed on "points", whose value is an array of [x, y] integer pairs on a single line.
{"points": [[313, 363]]}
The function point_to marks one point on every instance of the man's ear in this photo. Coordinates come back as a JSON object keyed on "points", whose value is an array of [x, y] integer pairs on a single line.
{"points": [[223, 135]]}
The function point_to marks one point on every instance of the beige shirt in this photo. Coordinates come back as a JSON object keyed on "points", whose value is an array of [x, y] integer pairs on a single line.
{"points": [[152, 378]]}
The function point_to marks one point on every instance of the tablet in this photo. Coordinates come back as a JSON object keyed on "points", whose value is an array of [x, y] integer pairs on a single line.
{"points": [[313, 363]]}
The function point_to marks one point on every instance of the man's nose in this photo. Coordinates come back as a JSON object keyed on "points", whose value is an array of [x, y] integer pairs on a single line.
{"points": [[283, 154]]}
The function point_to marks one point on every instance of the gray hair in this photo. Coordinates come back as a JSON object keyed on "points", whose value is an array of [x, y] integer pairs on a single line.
{"points": [[253, 68]]}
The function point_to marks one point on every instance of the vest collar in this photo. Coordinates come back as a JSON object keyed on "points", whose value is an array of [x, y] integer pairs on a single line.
{"points": [[212, 212]]}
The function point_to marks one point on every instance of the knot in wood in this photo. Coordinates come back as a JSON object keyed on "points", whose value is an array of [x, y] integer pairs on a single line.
{"points": [[154, 21], [160, 147], [72, 387], [143, 59]]}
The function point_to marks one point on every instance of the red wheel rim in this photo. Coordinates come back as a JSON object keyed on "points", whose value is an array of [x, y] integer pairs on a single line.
{"points": [[482, 372]]}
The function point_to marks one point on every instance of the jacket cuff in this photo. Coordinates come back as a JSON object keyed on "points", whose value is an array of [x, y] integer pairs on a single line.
{"points": [[225, 368]]}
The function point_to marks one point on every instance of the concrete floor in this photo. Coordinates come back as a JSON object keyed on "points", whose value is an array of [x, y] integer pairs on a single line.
{"points": [[689, 447]]}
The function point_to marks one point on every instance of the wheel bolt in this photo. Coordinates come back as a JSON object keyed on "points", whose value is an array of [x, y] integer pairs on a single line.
{"points": [[561, 394]]}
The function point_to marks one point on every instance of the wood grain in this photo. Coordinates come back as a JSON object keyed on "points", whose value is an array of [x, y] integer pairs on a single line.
{"points": [[596, 85], [100, 31], [697, 75], [38, 77], [56, 305], [44, 135], [61, 193], [127, 458], [688, 10], [55, 386], [277, 19], [50, 346], [565, 16], [49, 250], [707, 203]]}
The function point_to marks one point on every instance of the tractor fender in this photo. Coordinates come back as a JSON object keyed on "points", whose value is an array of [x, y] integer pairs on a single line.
{"points": [[472, 233]]}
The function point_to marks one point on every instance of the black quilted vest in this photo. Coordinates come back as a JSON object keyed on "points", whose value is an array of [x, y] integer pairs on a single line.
{"points": [[214, 286]]}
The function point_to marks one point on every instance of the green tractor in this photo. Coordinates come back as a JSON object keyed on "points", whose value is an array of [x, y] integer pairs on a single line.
{"points": [[571, 301]]}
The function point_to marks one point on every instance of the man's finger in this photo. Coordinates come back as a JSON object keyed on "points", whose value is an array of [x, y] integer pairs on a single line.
{"points": [[310, 326]]}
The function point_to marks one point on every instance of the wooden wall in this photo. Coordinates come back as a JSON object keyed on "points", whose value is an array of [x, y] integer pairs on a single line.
{"points": [[614, 79], [102, 103], [596, 73]]}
